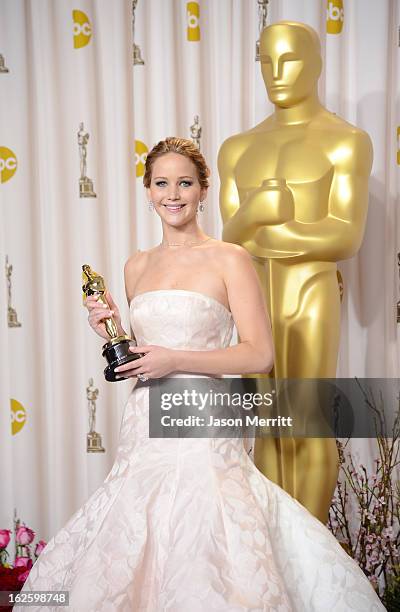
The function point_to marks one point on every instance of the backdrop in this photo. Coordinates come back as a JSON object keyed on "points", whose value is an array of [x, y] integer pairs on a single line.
{"points": [[65, 63]]}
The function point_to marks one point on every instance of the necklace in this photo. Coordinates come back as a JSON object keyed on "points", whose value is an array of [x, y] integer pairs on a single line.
{"points": [[164, 245]]}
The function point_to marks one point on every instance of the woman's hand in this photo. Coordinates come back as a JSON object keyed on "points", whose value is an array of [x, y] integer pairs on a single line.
{"points": [[157, 361], [98, 312]]}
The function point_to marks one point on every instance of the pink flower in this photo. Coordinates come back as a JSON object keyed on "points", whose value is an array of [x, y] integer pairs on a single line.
{"points": [[39, 547], [24, 535], [23, 562], [4, 537], [22, 577]]}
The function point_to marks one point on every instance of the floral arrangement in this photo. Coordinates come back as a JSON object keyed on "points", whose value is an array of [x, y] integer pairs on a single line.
{"points": [[12, 577], [365, 511]]}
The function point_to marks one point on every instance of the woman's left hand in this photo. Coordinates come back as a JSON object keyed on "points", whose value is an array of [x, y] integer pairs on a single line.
{"points": [[157, 361]]}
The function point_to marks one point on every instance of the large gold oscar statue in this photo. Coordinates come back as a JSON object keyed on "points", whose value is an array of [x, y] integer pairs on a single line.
{"points": [[294, 193]]}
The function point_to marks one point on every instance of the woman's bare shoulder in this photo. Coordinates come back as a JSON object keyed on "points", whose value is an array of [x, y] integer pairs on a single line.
{"points": [[138, 260], [133, 270], [229, 252]]}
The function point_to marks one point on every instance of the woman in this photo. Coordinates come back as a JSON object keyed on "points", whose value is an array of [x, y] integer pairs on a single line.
{"points": [[192, 525]]}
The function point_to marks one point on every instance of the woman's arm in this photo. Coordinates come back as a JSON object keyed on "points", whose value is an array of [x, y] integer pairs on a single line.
{"points": [[254, 353]]}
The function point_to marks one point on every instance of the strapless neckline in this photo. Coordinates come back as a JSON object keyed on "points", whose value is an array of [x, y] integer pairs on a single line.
{"points": [[183, 292]]}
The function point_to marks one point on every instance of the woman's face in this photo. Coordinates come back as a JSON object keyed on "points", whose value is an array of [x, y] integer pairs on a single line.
{"points": [[175, 189]]}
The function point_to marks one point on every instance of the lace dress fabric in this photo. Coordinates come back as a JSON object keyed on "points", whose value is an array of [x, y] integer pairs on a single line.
{"points": [[191, 525]]}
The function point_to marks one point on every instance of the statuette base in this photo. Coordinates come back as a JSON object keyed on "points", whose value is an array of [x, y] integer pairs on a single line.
{"points": [[117, 353], [86, 188], [137, 56], [3, 67], [13, 318], [93, 443]]}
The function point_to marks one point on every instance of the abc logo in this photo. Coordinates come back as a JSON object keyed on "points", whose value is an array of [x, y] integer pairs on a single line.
{"points": [[82, 29], [140, 157], [18, 416], [334, 16], [8, 164], [192, 16]]}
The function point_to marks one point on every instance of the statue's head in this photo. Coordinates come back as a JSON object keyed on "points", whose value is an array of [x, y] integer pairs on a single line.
{"points": [[290, 54], [91, 281]]}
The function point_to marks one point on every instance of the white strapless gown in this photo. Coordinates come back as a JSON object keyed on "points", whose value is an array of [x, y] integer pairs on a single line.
{"points": [[191, 525]]}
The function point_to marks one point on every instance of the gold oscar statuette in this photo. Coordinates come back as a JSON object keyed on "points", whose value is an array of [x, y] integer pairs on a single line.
{"points": [[294, 194], [93, 439], [116, 351]]}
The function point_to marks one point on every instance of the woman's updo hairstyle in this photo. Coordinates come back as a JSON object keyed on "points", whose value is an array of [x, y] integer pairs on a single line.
{"points": [[182, 146]]}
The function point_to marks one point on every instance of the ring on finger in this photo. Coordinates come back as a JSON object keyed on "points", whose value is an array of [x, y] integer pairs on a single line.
{"points": [[143, 377]]}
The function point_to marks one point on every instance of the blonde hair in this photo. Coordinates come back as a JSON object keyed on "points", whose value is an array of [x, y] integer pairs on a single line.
{"points": [[182, 146]]}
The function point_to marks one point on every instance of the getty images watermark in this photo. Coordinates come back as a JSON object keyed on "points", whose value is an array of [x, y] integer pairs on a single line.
{"points": [[245, 407], [204, 400]]}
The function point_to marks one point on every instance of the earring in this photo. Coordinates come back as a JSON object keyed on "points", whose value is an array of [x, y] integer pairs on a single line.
{"points": [[150, 206], [201, 207]]}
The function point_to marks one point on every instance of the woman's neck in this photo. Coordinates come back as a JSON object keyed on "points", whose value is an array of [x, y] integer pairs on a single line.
{"points": [[182, 236]]}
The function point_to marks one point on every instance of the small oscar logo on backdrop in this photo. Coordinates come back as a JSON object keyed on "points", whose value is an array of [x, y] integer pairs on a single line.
{"points": [[8, 164], [85, 183], [93, 439], [141, 151], [262, 23], [195, 131], [398, 144], [193, 21], [334, 16], [82, 29], [137, 55], [398, 303], [12, 316], [18, 416], [3, 67], [340, 284]]}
